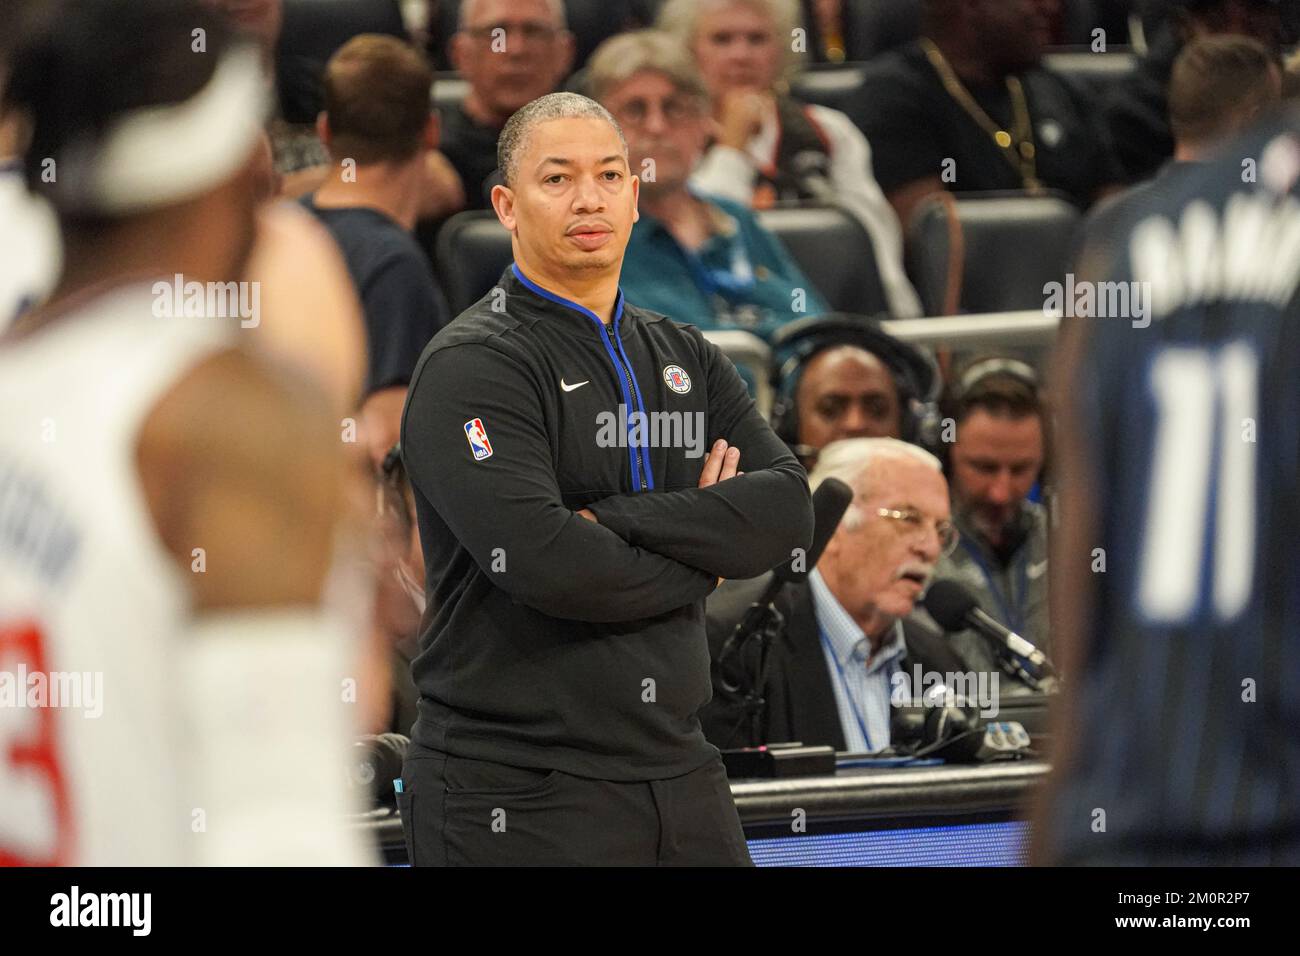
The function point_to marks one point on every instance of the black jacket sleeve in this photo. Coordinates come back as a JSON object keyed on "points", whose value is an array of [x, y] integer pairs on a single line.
{"points": [[506, 509], [737, 528]]}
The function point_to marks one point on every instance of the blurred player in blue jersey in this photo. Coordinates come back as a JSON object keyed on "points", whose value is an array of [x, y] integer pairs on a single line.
{"points": [[1176, 601]]}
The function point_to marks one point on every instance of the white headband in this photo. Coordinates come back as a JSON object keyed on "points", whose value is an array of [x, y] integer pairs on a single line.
{"points": [[162, 154]]}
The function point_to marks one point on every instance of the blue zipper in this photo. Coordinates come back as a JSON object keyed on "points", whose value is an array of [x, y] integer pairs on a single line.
{"points": [[642, 474]]}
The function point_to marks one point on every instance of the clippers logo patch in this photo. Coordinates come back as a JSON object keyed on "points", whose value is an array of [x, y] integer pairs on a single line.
{"points": [[676, 378], [476, 435]]}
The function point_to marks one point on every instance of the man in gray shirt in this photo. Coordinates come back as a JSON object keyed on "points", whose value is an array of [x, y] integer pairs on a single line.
{"points": [[993, 466]]}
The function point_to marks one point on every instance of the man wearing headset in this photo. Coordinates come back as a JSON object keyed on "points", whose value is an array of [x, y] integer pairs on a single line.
{"points": [[993, 468], [840, 376]]}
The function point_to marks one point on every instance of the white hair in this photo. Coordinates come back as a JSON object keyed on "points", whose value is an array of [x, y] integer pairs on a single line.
{"points": [[625, 55], [682, 17], [558, 15], [852, 461]]}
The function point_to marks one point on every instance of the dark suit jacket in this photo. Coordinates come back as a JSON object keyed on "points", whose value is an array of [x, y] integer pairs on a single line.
{"points": [[800, 696]]}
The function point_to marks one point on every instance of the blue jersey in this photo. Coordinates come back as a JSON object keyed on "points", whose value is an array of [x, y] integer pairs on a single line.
{"points": [[1188, 739]]}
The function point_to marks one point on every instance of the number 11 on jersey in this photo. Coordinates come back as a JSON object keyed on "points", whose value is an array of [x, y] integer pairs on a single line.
{"points": [[1204, 457]]}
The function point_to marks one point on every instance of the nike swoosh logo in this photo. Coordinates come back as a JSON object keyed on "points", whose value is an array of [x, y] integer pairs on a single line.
{"points": [[1035, 571], [569, 388]]}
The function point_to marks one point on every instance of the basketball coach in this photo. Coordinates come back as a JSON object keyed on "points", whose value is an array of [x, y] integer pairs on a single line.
{"points": [[584, 472]]}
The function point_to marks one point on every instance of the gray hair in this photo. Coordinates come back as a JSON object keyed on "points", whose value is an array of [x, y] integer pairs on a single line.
{"points": [[682, 17], [558, 14], [853, 459], [621, 57], [552, 106]]}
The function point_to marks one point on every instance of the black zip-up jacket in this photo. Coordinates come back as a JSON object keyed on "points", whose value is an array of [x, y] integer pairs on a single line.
{"points": [[551, 641]]}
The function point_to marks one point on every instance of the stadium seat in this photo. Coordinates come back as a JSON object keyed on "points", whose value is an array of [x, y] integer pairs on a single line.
{"points": [[830, 247], [472, 249], [752, 356], [313, 30], [449, 90], [988, 253], [834, 252], [1095, 72], [874, 26], [836, 87]]}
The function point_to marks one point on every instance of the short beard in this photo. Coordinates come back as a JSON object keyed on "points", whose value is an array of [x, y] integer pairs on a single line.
{"points": [[974, 517]]}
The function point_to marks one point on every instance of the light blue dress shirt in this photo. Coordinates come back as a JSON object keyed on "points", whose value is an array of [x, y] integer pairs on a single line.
{"points": [[862, 689]]}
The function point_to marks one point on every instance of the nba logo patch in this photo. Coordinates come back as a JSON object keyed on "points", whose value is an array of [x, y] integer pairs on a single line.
{"points": [[476, 435], [675, 377]]}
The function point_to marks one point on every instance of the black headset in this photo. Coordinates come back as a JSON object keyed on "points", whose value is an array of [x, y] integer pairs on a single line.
{"points": [[915, 373], [970, 378], [952, 731], [981, 369]]}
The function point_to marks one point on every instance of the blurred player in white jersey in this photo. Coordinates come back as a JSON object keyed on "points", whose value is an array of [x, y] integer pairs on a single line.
{"points": [[171, 691]]}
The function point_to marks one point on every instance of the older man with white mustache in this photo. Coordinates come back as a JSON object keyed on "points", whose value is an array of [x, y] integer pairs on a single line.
{"points": [[848, 630]]}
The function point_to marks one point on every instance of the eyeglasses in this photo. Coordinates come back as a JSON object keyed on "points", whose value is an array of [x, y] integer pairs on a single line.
{"points": [[915, 523], [529, 32], [675, 109]]}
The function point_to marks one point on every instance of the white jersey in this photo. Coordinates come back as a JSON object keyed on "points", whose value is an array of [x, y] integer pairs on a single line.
{"points": [[31, 251], [94, 726]]}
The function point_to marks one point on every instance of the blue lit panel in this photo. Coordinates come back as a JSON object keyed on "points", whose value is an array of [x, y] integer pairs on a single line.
{"points": [[973, 844]]}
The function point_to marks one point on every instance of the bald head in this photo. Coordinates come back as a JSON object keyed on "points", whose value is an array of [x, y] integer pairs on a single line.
{"points": [[847, 392]]}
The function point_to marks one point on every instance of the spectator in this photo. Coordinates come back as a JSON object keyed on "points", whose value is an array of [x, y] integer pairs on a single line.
{"points": [[768, 146], [1219, 87], [994, 465], [379, 128], [968, 108], [301, 159], [1137, 112], [511, 52], [843, 377], [848, 631], [694, 257]]}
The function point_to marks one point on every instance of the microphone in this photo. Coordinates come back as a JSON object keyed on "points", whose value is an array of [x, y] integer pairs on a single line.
{"points": [[829, 501], [955, 608]]}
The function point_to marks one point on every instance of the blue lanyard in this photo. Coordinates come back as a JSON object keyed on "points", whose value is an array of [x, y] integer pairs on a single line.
{"points": [[1012, 612], [740, 279], [844, 685]]}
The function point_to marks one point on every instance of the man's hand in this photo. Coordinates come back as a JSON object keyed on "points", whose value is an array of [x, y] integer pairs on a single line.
{"points": [[721, 464], [740, 116], [586, 513]]}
